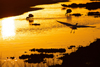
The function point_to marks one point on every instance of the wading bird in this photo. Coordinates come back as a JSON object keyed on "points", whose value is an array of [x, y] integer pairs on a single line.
{"points": [[30, 17], [68, 11]]}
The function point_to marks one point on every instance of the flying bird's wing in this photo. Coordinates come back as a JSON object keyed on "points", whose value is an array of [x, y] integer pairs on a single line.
{"points": [[80, 26], [68, 24]]}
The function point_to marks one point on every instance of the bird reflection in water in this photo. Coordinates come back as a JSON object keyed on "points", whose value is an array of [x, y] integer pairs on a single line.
{"points": [[31, 21], [69, 18], [74, 27]]}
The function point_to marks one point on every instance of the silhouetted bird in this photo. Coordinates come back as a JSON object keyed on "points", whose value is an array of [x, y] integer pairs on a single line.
{"points": [[73, 27], [27, 18], [68, 11], [30, 17]]}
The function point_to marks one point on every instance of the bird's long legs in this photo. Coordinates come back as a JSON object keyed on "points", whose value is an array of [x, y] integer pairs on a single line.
{"points": [[72, 31]]}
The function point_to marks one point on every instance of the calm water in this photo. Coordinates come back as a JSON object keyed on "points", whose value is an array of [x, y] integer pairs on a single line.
{"points": [[18, 35]]}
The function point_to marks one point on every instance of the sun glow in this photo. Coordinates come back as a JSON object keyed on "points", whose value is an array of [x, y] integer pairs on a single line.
{"points": [[8, 28]]}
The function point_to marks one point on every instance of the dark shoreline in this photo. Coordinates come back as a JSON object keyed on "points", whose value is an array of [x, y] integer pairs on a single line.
{"points": [[17, 7], [88, 56]]}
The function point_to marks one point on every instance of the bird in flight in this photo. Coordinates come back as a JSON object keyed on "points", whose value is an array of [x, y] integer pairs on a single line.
{"points": [[74, 27]]}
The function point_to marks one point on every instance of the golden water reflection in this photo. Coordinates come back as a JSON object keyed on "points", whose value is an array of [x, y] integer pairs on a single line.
{"points": [[8, 28], [50, 34]]}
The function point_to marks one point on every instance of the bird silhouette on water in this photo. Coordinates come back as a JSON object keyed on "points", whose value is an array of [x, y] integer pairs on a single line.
{"points": [[31, 20], [68, 11], [30, 17], [74, 27]]}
